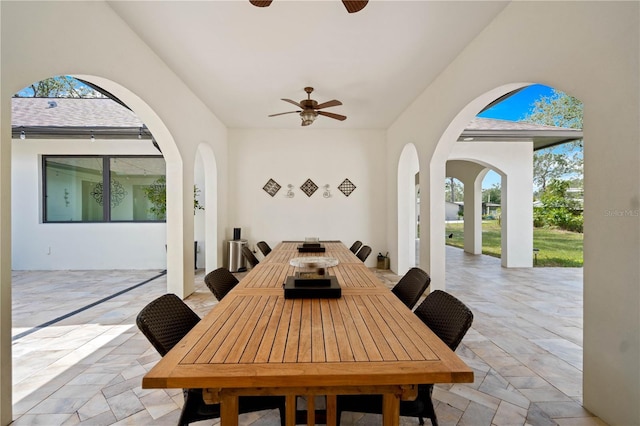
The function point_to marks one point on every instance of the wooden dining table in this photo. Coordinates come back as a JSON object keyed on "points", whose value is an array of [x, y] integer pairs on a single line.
{"points": [[257, 342]]}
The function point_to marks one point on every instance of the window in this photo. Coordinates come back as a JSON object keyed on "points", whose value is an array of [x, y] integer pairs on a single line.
{"points": [[103, 188]]}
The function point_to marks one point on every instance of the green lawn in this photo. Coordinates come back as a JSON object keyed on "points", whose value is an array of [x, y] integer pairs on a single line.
{"points": [[557, 247]]}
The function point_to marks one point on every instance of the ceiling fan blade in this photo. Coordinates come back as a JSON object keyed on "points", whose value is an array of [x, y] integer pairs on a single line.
{"points": [[328, 104], [332, 115], [260, 3], [354, 5], [293, 102], [282, 113]]}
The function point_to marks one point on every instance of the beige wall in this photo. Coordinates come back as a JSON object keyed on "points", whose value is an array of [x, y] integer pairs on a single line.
{"points": [[292, 157], [590, 50]]}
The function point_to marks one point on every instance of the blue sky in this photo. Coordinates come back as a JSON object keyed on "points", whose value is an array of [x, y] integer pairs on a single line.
{"points": [[517, 106], [513, 108]]}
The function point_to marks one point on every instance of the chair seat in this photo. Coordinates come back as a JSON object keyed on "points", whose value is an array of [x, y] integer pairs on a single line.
{"points": [[200, 410], [421, 407]]}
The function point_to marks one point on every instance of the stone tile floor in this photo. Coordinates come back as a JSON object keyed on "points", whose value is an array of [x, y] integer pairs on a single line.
{"points": [[525, 347]]}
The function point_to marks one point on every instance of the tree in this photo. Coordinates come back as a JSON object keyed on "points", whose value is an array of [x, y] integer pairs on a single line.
{"points": [[561, 110], [492, 195], [557, 109], [549, 165], [58, 87], [453, 190]]}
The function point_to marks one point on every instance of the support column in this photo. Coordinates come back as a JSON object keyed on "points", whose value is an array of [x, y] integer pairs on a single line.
{"points": [[471, 175], [5, 263]]}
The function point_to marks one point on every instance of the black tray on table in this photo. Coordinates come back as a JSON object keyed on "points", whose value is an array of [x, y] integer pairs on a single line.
{"points": [[294, 289], [311, 248]]}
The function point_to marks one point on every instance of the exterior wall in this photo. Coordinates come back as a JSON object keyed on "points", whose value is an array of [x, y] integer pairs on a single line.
{"points": [[42, 246], [529, 42], [325, 157]]}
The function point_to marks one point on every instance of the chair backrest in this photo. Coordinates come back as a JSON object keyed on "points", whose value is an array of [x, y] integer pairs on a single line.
{"points": [[220, 281], [364, 252], [355, 246], [264, 248], [251, 258], [165, 321], [446, 316], [411, 286]]}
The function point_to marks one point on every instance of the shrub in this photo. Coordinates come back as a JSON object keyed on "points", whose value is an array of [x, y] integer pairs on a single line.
{"points": [[558, 210]]}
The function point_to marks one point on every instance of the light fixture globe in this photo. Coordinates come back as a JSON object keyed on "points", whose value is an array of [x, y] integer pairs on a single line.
{"points": [[308, 116]]}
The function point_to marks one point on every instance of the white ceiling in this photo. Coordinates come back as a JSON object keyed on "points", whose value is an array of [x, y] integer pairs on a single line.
{"points": [[241, 59]]}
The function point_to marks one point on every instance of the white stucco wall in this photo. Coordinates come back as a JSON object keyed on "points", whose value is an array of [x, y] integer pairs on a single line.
{"points": [[405, 214], [292, 157], [42, 246], [594, 58]]}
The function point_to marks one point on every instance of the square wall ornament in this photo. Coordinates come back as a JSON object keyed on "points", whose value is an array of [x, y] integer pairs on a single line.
{"points": [[309, 187], [346, 187], [271, 187]]}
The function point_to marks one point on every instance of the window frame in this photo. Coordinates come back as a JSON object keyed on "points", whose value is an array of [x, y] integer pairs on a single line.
{"points": [[106, 185]]}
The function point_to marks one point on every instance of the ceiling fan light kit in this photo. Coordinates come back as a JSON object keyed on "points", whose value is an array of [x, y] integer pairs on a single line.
{"points": [[310, 109], [308, 117]]}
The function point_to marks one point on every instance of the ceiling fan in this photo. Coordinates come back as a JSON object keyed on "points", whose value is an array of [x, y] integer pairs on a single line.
{"points": [[309, 109], [351, 5]]}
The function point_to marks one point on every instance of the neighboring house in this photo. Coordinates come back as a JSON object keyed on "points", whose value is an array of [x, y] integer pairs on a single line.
{"points": [[452, 210]]}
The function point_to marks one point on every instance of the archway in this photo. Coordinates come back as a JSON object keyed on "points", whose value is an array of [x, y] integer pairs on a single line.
{"points": [[408, 216], [210, 182], [180, 253], [476, 169], [432, 204], [173, 167]]}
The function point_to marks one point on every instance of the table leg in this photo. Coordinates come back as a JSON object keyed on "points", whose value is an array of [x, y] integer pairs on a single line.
{"points": [[311, 410], [290, 408], [390, 409], [228, 410], [332, 408]]}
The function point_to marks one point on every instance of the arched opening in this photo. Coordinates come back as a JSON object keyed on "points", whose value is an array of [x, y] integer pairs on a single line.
{"points": [[408, 209], [514, 194], [209, 230], [126, 163], [180, 255]]}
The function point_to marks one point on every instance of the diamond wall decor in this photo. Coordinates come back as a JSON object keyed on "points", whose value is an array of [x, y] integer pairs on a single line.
{"points": [[347, 187], [271, 187], [309, 187]]}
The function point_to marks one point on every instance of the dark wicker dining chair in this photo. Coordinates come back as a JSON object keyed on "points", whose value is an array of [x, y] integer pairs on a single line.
{"points": [[449, 319], [220, 281], [251, 258], [164, 322], [264, 248], [411, 286], [355, 247], [363, 253]]}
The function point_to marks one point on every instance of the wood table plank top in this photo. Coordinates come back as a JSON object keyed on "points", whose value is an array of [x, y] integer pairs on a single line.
{"points": [[255, 338]]}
